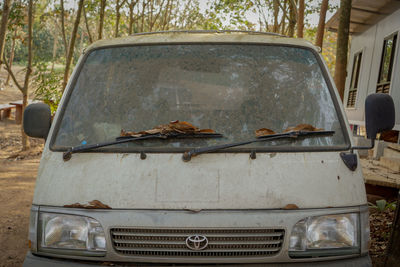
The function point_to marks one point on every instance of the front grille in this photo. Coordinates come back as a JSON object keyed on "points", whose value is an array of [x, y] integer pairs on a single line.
{"points": [[224, 242]]}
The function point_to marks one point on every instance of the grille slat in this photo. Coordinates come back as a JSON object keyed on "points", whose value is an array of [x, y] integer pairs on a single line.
{"points": [[184, 250], [222, 243]]}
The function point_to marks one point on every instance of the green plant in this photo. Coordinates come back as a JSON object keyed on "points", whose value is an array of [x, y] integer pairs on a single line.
{"points": [[382, 205], [48, 85]]}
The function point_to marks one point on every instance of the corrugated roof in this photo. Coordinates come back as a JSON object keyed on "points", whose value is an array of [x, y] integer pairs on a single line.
{"points": [[364, 14]]}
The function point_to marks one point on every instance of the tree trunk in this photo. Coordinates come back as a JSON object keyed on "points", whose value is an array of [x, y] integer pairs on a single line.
{"points": [[72, 44], [292, 17], [101, 21], [63, 29], [131, 6], [321, 24], [342, 46], [3, 26], [276, 13], [283, 21], [12, 52], [87, 25], [118, 16], [54, 51], [300, 20], [25, 140]]}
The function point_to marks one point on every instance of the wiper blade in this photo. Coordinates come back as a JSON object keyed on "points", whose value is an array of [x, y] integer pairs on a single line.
{"points": [[125, 139], [293, 134]]}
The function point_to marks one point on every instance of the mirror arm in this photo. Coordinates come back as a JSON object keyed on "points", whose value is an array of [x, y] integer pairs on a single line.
{"points": [[363, 147]]}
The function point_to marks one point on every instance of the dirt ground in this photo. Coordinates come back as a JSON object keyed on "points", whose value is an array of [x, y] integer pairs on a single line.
{"points": [[17, 181]]}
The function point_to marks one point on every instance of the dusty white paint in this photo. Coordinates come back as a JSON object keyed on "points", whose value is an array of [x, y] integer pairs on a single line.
{"points": [[370, 42], [208, 181]]}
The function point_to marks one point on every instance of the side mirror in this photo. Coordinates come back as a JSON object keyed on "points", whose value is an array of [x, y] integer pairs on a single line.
{"points": [[379, 117], [37, 120], [379, 114]]}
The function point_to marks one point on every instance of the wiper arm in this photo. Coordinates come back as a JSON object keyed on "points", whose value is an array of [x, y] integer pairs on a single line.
{"points": [[125, 139], [293, 134]]}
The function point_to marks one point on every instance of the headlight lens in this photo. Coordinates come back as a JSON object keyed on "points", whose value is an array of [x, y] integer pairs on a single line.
{"points": [[325, 236], [60, 231]]}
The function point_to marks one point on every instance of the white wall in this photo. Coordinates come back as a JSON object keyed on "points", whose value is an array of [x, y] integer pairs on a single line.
{"points": [[370, 43]]}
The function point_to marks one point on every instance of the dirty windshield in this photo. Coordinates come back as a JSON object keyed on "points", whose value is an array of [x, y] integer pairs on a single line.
{"points": [[233, 89]]}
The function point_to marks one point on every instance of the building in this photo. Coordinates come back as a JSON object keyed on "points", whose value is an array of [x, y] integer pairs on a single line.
{"points": [[374, 59]]}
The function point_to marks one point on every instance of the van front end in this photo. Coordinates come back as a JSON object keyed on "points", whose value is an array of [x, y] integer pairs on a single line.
{"points": [[199, 148]]}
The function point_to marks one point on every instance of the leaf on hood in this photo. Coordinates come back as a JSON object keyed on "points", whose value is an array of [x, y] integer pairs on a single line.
{"points": [[173, 127], [94, 204], [303, 127], [263, 132]]}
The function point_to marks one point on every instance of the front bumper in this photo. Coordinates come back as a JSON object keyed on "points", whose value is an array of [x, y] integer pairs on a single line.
{"points": [[36, 261], [217, 219]]}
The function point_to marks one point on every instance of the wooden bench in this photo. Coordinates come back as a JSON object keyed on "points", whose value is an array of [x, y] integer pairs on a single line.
{"points": [[18, 109], [5, 111]]}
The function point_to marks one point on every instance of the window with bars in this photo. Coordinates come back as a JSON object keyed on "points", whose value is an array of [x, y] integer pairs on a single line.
{"points": [[355, 73], [385, 70]]}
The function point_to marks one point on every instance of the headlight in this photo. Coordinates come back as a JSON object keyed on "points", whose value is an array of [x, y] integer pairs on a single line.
{"points": [[327, 235], [71, 232]]}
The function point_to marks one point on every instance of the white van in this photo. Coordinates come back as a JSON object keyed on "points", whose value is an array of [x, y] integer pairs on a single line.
{"points": [[222, 147]]}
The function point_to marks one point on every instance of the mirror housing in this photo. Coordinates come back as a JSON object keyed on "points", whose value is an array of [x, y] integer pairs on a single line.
{"points": [[37, 120], [379, 114]]}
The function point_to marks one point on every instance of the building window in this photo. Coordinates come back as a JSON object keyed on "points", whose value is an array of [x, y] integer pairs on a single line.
{"points": [[355, 73], [385, 70]]}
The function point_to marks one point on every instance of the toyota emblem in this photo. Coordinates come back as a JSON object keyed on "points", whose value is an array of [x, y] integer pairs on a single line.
{"points": [[196, 242]]}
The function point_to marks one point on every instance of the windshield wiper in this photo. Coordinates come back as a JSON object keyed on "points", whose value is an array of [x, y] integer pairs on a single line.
{"points": [[125, 139], [293, 134]]}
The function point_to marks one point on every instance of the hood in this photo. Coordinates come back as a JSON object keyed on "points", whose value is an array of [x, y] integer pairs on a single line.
{"points": [[208, 181]]}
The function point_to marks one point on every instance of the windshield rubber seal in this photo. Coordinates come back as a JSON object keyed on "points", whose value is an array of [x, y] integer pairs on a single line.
{"points": [[324, 71]]}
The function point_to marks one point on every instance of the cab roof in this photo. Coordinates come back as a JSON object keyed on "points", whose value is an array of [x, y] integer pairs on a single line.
{"points": [[203, 36]]}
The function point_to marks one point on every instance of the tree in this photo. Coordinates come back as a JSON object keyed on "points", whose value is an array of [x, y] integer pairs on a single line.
{"points": [[342, 45], [87, 25], [101, 19], [24, 88], [3, 27], [72, 44], [63, 27], [300, 19], [321, 23], [118, 6], [292, 17]]}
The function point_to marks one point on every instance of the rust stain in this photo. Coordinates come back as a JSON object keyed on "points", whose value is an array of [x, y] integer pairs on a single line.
{"points": [[94, 204], [291, 207]]}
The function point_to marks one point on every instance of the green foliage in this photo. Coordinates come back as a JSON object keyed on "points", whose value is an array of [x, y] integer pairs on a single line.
{"points": [[382, 205], [48, 85]]}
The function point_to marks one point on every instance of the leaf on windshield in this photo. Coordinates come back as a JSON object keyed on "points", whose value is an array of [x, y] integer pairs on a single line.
{"points": [[303, 127], [182, 127], [263, 132]]}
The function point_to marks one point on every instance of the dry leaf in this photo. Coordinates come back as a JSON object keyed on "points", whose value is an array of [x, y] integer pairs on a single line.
{"points": [[94, 204], [303, 127], [263, 132], [173, 127], [291, 207]]}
